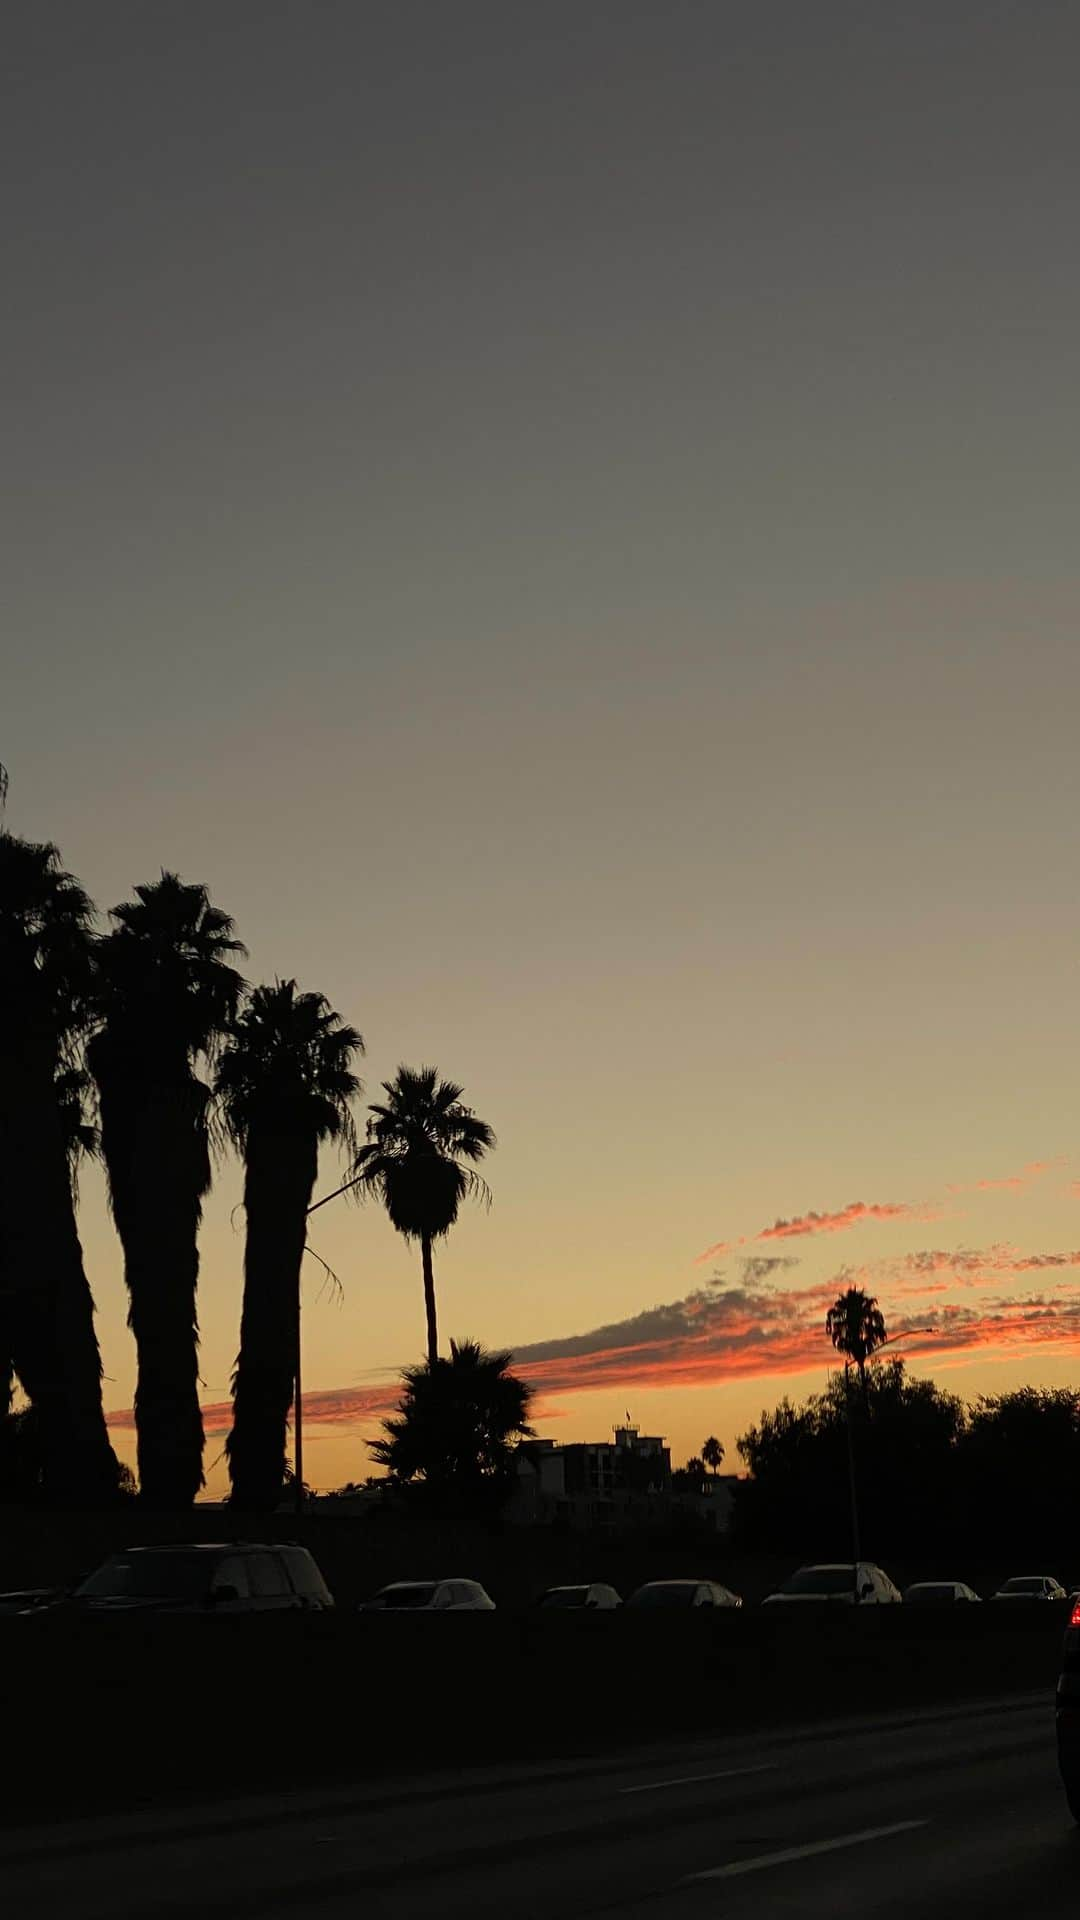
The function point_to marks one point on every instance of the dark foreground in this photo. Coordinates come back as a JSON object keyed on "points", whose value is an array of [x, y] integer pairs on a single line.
{"points": [[932, 1814]]}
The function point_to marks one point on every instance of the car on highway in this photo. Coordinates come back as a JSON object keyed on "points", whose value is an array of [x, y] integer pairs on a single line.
{"points": [[939, 1593], [1031, 1586], [240, 1577], [837, 1583], [657, 1595], [1067, 1712], [430, 1596], [29, 1599], [569, 1599]]}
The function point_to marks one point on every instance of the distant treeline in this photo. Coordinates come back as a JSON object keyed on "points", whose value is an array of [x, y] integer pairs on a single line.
{"points": [[934, 1475]]}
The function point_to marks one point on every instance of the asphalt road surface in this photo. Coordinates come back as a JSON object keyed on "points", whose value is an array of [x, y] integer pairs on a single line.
{"points": [[930, 1815]]}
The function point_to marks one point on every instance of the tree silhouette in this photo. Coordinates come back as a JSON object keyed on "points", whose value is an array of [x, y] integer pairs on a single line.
{"points": [[712, 1453], [284, 1083], [856, 1326], [456, 1423], [166, 994], [420, 1162], [46, 1309]]}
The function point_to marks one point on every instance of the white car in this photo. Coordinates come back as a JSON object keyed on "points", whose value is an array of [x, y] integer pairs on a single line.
{"points": [[431, 1596], [598, 1595], [659, 1594], [844, 1583], [1031, 1586], [939, 1593]]}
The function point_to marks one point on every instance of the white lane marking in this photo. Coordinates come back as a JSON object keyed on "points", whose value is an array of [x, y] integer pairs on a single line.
{"points": [[691, 1779], [735, 1867]]}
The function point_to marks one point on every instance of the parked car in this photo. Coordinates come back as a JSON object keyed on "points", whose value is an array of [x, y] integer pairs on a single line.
{"points": [[430, 1596], [237, 1578], [566, 1599], [837, 1583], [683, 1594], [939, 1593], [1031, 1586], [29, 1599]]}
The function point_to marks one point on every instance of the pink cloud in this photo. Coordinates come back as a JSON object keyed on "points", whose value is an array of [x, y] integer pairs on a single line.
{"points": [[802, 1224], [850, 1216]]}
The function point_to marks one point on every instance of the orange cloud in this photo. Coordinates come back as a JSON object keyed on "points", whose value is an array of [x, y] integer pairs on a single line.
{"points": [[849, 1216], [813, 1222], [762, 1327]]}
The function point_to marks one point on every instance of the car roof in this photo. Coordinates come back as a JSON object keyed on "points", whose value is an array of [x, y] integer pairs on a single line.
{"points": [[393, 1586], [206, 1546], [680, 1583]]}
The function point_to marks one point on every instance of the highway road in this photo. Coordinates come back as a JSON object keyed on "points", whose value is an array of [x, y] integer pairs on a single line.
{"points": [[932, 1814]]}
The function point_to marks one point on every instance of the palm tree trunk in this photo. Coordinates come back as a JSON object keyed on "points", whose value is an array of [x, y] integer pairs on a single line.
{"points": [[429, 1303], [155, 1145], [48, 1310], [278, 1184]]}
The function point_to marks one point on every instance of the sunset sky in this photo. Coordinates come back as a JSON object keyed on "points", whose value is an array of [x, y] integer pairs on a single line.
{"points": [[565, 518]]}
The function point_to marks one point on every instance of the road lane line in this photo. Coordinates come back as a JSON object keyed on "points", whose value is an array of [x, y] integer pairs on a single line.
{"points": [[736, 1867], [691, 1779]]}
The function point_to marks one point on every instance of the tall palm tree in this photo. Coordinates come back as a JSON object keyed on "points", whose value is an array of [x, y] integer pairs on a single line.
{"points": [[420, 1161], [46, 1309], [457, 1421], [856, 1326], [166, 993], [284, 1082], [712, 1454]]}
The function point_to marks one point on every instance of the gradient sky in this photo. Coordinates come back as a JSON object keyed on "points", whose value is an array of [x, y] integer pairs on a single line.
{"points": [[565, 518]]}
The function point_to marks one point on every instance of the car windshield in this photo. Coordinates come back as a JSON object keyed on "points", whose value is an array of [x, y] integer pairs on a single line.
{"points": [[565, 1597], [150, 1576], [820, 1580], [665, 1593], [931, 1590], [1026, 1584], [419, 1593]]}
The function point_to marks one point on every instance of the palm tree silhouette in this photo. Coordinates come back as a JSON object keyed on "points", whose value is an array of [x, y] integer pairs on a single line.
{"points": [[166, 994], [457, 1421], [856, 1326], [417, 1143], [46, 1309], [712, 1453], [284, 1083]]}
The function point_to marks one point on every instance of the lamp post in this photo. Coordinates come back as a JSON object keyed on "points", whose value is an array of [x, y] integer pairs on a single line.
{"points": [[908, 1333]]}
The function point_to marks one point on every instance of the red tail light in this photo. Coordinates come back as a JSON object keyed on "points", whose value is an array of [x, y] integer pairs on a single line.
{"points": [[1074, 1617]]}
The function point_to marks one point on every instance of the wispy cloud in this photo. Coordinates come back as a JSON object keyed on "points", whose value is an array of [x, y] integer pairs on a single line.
{"points": [[852, 1215], [855, 1214]]}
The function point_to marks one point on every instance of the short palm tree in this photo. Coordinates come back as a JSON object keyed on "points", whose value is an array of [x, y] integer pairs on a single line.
{"points": [[856, 1326], [420, 1161], [167, 992], [284, 1083], [457, 1422], [46, 1310], [712, 1454]]}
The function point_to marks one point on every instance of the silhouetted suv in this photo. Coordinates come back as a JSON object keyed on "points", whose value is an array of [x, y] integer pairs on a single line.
{"points": [[203, 1579]]}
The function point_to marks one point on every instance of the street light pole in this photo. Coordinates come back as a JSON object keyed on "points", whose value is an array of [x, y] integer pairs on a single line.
{"points": [[298, 1421], [908, 1333]]}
